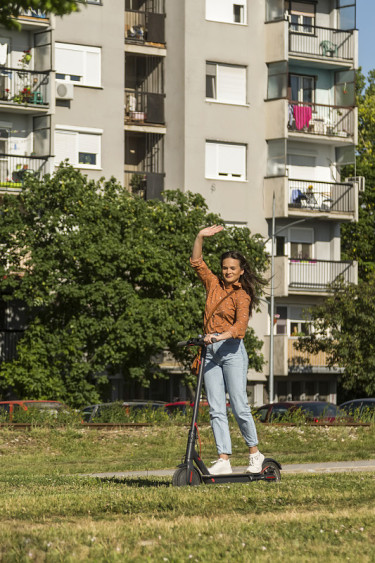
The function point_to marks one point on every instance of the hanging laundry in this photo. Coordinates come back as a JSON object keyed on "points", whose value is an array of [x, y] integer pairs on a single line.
{"points": [[302, 116], [3, 53]]}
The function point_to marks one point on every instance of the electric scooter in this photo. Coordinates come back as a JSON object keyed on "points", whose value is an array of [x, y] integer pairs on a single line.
{"points": [[193, 471]]}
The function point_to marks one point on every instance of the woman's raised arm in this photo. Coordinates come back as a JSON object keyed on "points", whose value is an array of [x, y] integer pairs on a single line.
{"points": [[198, 243]]}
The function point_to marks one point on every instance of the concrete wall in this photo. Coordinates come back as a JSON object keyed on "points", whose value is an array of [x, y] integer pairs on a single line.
{"points": [[101, 108]]}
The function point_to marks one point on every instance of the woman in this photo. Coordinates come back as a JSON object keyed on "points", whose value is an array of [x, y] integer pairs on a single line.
{"points": [[229, 303]]}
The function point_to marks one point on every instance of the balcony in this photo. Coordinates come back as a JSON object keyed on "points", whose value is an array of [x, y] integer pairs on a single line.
{"points": [[144, 108], [322, 43], [322, 120], [14, 169], [148, 185], [287, 359], [310, 277], [310, 198], [145, 22], [24, 90], [33, 19]]}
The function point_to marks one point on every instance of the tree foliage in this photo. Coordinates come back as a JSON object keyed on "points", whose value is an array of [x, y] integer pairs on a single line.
{"points": [[107, 282], [11, 10], [358, 239], [344, 328]]}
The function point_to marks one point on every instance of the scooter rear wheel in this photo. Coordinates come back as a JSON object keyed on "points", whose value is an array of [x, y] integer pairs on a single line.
{"points": [[271, 471], [181, 477]]}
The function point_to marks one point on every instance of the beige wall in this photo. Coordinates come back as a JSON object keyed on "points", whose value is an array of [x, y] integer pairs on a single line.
{"points": [[101, 108]]}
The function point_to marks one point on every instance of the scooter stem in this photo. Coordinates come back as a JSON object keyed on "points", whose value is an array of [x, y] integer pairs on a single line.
{"points": [[193, 432]]}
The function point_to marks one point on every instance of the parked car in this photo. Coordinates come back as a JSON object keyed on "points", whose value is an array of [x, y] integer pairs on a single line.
{"points": [[361, 409], [103, 412], [9, 408], [182, 406], [313, 410]]}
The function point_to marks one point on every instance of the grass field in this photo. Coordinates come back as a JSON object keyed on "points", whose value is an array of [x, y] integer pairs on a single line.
{"points": [[49, 513]]}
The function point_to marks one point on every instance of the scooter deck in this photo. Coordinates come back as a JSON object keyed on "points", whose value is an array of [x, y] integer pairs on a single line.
{"points": [[236, 478]]}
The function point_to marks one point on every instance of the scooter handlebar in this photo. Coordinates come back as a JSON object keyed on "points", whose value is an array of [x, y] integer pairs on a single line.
{"points": [[197, 341]]}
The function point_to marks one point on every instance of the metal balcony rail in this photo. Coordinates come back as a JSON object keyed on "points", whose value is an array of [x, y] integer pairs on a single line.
{"points": [[321, 196], [322, 42], [14, 169], [148, 185], [19, 86], [315, 275], [143, 27], [303, 359], [144, 107], [320, 119]]}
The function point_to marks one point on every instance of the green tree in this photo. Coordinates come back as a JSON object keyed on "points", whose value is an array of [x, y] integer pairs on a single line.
{"points": [[358, 239], [344, 328], [107, 282], [12, 9]]}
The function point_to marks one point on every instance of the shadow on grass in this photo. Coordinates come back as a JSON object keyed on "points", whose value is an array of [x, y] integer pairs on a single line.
{"points": [[135, 482]]}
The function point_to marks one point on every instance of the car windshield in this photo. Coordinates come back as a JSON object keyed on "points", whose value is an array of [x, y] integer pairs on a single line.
{"points": [[318, 409]]}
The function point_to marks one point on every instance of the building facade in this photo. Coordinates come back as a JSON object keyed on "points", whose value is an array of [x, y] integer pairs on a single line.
{"points": [[249, 103]]}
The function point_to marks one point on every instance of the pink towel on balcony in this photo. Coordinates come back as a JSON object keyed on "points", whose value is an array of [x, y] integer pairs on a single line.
{"points": [[302, 116]]}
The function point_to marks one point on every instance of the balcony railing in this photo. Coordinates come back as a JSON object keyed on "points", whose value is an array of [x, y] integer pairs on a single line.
{"points": [[319, 119], [14, 169], [317, 274], [321, 196], [148, 185], [24, 87], [144, 27], [322, 42], [302, 360], [144, 107]]}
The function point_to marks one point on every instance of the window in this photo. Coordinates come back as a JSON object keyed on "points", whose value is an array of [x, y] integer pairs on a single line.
{"points": [[302, 88], [226, 83], [274, 10], [78, 64], [277, 80], [276, 157], [82, 148], [347, 14], [225, 161], [226, 11], [302, 17], [301, 245]]}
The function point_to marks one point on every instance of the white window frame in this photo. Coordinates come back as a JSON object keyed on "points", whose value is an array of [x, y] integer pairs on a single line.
{"points": [[217, 163], [223, 11], [79, 136], [301, 13], [223, 74], [91, 69]]}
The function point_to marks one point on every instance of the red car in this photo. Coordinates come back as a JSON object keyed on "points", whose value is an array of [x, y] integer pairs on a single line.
{"points": [[314, 411], [9, 408]]}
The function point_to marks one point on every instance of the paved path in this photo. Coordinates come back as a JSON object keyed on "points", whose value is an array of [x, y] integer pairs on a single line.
{"points": [[326, 467]]}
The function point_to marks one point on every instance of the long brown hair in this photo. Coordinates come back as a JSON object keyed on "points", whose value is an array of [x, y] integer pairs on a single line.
{"points": [[250, 282]]}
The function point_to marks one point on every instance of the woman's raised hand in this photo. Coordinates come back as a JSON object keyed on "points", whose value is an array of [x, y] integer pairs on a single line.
{"points": [[211, 231]]}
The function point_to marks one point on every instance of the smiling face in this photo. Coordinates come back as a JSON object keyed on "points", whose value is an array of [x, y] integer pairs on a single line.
{"points": [[231, 271]]}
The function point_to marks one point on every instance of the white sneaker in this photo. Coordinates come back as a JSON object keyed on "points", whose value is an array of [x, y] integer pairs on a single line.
{"points": [[255, 463], [220, 467]]}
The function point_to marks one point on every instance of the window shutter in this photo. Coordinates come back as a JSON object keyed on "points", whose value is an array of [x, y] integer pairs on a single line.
{"points": [[232, 161], [92, 68], [66, 146], [231, 84], [69, 61], [90, 144], [219, 10], [211, 160]]}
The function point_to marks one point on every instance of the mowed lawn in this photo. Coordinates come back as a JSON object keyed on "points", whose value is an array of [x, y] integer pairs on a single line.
{"points": [[48, 512]]}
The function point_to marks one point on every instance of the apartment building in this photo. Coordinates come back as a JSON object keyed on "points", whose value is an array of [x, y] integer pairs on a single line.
{"points": [[250, 103]]}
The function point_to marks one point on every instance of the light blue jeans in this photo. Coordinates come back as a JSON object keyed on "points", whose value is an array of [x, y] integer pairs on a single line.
{"points": [[225, 371]]}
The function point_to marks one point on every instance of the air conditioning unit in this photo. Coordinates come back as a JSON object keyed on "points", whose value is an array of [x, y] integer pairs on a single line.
{"points": [[64, 91], [360, 180]]}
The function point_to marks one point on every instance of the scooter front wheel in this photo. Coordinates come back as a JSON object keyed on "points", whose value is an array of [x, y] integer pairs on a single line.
{"points": [[182, 478], [271, 471]]}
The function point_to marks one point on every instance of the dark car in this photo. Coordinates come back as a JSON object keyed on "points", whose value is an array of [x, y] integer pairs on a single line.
{"points": [[361, 409], [183, 406], [10, 408], [314, 411]]}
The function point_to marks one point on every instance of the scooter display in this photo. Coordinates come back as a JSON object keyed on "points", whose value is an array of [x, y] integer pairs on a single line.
{"points": [[193, 471]]}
